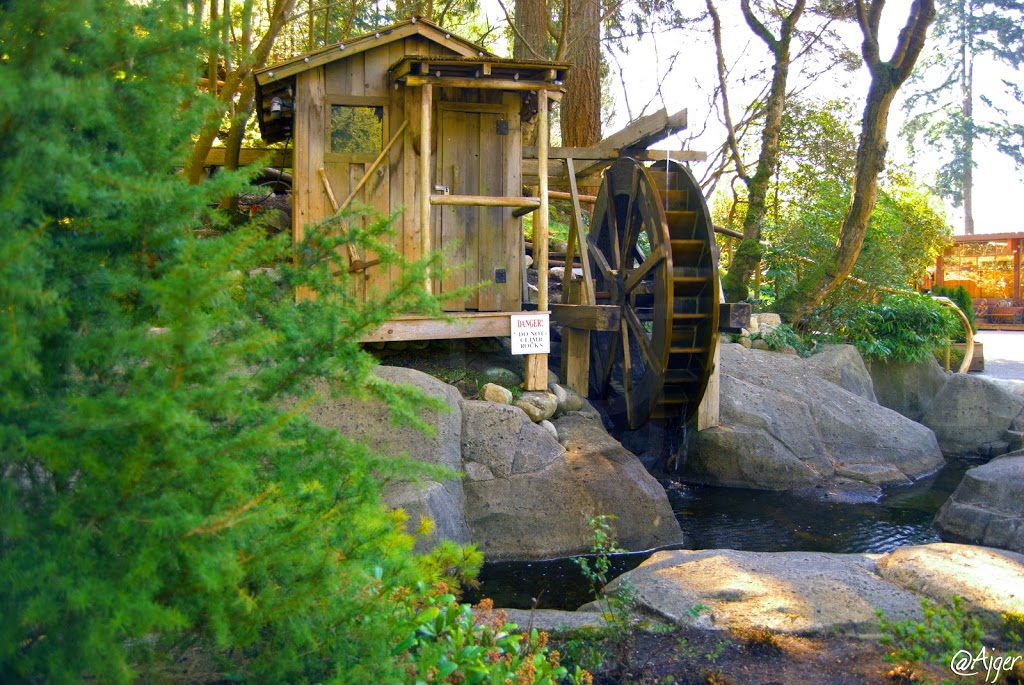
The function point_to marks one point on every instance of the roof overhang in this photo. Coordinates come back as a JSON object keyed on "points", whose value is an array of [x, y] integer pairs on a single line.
{"points": [[486, 72]]}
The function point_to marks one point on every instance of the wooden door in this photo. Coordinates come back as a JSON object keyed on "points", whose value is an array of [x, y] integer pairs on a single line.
{"points": [[472, 160]]}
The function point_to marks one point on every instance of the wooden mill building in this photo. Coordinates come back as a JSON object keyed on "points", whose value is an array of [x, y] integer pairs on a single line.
{"points": [[413, 117]]}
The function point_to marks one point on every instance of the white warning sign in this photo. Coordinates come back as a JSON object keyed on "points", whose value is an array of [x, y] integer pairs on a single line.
{"points": [[531, 334]]}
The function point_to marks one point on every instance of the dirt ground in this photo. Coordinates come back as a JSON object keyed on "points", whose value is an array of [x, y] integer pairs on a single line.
{"points": [[690, 656]]}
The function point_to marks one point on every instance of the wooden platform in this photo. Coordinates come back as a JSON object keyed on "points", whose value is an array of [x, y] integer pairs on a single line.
{"points": [[459, 325], [995, 326]]}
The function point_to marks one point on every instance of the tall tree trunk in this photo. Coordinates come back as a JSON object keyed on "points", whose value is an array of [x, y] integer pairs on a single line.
{"points": [[886, 79], [968, 112], [747, 257], [233, 144], [531, 30], [530, 41], [581, 105]]}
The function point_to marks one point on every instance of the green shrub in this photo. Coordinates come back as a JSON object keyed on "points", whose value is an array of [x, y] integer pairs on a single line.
{"points": [[945, 631], [899, 328], [783, 336], [962, 299], [446, 638], [166, 506]]}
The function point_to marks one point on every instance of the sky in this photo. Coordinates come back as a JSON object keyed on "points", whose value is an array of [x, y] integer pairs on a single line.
{"points": [[687, 85]]}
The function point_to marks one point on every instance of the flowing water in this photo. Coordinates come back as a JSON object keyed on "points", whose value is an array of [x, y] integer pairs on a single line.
{"points": [[727, 518]]}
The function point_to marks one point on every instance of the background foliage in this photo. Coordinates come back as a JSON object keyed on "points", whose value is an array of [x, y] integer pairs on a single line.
{"points": [[167, 511], [807, 201]]}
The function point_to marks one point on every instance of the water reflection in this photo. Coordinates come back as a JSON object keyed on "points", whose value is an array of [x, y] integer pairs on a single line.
{"points": [[757, 521], [728, 518]]}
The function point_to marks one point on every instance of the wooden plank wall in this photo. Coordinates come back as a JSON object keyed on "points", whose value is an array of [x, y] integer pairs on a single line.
{"points": [[362, 80]]}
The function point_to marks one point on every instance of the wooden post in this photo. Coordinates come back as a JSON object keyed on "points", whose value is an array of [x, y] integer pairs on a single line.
{"points": [[537, 364], [425, 247], [540, 221], [709, 410], [575, 346], [708, 413]]}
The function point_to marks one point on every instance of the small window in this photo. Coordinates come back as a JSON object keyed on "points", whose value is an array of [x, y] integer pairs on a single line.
{"points": [[357, 130]]}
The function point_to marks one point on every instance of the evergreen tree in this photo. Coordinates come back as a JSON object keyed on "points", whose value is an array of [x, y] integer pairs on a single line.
{"points": [[164, 502], [942, 110]]}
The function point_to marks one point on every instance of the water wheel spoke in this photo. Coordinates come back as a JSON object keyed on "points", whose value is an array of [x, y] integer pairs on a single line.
{"points": [[605, 370], [627, 366], [630, 232], [643, 340], [613, 219], [600, 262], [637, 276]]}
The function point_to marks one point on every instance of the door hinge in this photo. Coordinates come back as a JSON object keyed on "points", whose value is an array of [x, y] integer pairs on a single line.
{"points": [[502, 127]]}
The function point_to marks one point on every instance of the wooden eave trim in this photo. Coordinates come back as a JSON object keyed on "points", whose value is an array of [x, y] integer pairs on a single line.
{"points": [[482, 82], [421, 65], [985, 237], [366, 42]]}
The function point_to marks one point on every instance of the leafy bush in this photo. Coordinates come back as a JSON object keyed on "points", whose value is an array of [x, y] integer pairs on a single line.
{"points": [[945, 631], [898, 328], [446, 639], [783, 336]]}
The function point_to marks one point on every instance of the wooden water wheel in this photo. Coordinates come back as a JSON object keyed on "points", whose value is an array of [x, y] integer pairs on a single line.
{"points": [[651, 249]]}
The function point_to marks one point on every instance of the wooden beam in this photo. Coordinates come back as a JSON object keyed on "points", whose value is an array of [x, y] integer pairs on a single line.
{"points": [[582, 153], [558, 195], [537, 364], [729, 232], [485, 83], [591, 317], [575, 348], [353, 255], [252, 155], [557, 171], [642, 133], [459, 325], [530, 152], [484, 201], [709, 410], [646, 131], [426, 97], [581, 236], [371, 169]]}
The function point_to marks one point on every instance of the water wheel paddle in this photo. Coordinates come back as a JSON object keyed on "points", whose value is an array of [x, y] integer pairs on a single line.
{"points": [[651, 247]]}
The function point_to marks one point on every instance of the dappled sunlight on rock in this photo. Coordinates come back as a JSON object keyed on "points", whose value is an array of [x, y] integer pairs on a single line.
{"points": [[792, 592], [991, 581]]}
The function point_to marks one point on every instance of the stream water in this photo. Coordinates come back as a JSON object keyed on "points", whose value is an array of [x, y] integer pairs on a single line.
{"points": [[727, 518]]}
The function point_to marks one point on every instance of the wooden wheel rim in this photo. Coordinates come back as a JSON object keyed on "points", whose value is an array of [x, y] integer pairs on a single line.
{"points": [[646, 263]]}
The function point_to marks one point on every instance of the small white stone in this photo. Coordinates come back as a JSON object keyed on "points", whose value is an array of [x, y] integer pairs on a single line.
{"points": [[549, 427]]}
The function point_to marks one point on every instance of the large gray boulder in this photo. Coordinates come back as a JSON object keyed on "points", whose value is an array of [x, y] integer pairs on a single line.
{"points": [[907, 387], [783, 426], [843, 365], [821, 593], [987, 507], [971, 411], [370, 421], [528, 497]]}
